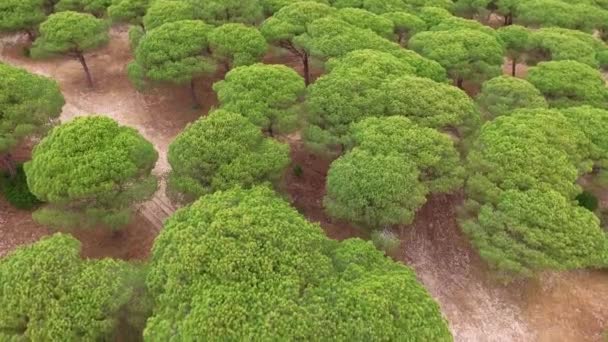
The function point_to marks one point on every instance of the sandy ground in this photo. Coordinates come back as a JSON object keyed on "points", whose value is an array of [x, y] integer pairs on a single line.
{"points": [[569, 306]]}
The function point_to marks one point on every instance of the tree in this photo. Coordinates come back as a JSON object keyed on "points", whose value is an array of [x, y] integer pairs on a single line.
{"points": [[561, 44], [569, 83], [221, 151], [405, 25], [433, 153], [248, 255], [237, 45], [167, 11], [29, 106], [417, 5], [504, 94], [593, 122], [174, 52], [97, 8], [273, 6], [72, 34], [373, 6], [433, 16], [48, 293], [465, 54], [456, 23], [530, 231], [289, 23], [515, 39], [129, 11], [21, 15], [268, 95], [549, 13], [361, 18], [373, 191], [90, 171], [217, 12]]}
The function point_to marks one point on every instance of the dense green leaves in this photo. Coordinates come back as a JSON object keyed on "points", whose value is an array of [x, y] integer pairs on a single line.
{"points": [[167, 11], [221, 151], [48, 293], [219, 12], [237, 44], [95, 7], [593, 122], [569, 83], [431, 152], [505, 94], [548, 13], [528, 231], [29, 105], [90, 170], [562, 44], [465, 54], [515, 40], [130, 11], [268, 95], [17, 15], [173, 52], [248, 256], [373, 191], [405, 25], [71, 33], [367, 20]]}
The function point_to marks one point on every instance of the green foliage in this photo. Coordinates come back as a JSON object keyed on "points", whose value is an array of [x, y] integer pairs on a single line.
{"points": [[432, 153], [247, 255], [405, 25], [515, 40], [221, 151], [550, 13], [569, 83], [457, 23], [173, 52], [385, 241], [16, 192], [291, 21], [374, 191], [217, 12], [90, 170], [17, 15], [367, 20], [432, 16], [465, 54], [528, 231], [97, 8], [136, 33], [587, 200], [129, 11], [167, 11], [562, 44], [374, 6], [69, 32], [268, 95], [48, 293], [504, 94], [237, 44], [29, 105], [271, 7], [593, 122]]}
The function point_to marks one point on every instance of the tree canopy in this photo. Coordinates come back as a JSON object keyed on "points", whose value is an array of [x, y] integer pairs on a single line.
{"points": [[268, 95], [97, 8], [247, 255], [167, 11], [221, 151], [73, 34], [47, 292], [569, 83], [432, 152], [217, 12], [174, 52], [556, 13], [29, 105], [465, 54], [90, 171], [129, 11], [561, 44], [504, 94], [593, 122], [405, 25], [237, 45], [364, 19], [515, 40], [21, 15]]}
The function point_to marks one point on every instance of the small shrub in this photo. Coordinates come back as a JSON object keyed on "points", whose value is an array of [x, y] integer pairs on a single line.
{"points": [[386, 241], [297, 171], [16, 192], [587, 200]]}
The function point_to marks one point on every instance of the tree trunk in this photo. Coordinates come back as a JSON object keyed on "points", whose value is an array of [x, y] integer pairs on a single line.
{"points": [[306, 68], [83, 62], [30, 35], [513, 67], [195, 102], [400, 38], [9, 164], [270, 130], [509, 19], [458, 82]]}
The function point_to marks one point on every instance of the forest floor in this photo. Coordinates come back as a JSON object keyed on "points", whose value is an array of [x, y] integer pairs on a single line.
{"points": [[566, 306]]}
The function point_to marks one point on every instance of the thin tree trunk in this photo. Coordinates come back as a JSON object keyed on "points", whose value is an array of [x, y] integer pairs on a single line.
{"points": [[305, 61], [270, 130], [9, 164], [30, 35], [400, 38], [195, 102], [83, 62], [459, 82], [513, 67]]}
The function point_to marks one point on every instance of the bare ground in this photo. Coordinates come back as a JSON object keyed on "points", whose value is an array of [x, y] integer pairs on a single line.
{"points": [[569, 306]]}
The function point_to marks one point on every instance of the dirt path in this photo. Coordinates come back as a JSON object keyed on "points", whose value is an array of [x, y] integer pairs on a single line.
{"points": [[570, 306]]}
